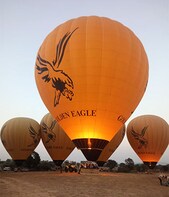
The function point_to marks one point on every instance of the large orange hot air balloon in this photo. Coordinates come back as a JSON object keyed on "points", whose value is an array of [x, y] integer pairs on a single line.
{"points": [[111, 146], [57, 143], [148, 135], [91, 73], [20, 136]]}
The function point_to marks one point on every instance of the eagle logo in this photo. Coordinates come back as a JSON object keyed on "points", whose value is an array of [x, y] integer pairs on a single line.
{"points": [[35, 136], [140, 137], [49, 131], [60, 81]]}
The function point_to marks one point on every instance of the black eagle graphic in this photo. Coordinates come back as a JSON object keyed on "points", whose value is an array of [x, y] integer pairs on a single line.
{"points": [[59, 80], [140, 137], [34, 135], [49, 131]]}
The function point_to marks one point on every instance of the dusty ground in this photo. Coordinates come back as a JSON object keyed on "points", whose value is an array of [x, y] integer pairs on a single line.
{"points": [[102, 184]]}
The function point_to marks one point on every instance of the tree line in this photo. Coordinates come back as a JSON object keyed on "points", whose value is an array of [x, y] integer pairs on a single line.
{"points": [[34, 163]]}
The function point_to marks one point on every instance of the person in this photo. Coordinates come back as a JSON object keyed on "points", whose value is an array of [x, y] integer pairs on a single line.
{"points": [[79, 169]]}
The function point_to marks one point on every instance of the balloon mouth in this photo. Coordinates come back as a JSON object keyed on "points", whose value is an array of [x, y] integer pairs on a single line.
{"points": [[58, 162], [151, 165], [101, 163], [90, 147], [19, 162]]}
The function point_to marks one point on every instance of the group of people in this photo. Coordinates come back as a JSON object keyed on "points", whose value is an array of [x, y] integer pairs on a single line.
{"points": [[164, 179]]}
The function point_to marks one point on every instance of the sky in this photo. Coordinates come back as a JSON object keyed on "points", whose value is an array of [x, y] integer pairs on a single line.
{"points": [[25, 24]]}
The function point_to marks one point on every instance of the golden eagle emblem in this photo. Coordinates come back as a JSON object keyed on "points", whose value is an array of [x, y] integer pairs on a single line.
{"points": [[59, 80], [140, 137]]}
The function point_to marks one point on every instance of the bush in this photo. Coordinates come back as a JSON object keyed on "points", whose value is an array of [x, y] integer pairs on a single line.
{"points": [[123, 168]]}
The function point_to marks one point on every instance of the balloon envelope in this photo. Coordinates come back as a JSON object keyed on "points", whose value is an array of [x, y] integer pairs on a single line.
{"points": [[91, 73], [20, 136], [148, 135], [57, 143], [111, 146]]}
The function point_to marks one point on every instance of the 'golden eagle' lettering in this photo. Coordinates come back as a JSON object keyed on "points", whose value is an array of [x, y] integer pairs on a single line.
{"points": [[76, 113]]}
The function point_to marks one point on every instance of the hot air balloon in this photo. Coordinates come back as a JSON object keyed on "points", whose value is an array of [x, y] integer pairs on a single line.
{"points": [[148, 135], [57, 143], [20, 136], [91, 73], [111, 147]]}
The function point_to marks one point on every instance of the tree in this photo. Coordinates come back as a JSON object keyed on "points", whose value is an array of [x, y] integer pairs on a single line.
{"points": [[46, 165], [9, 163], [111, 164], [123, 168], [163, 168], [141, 167], [130, 163]]}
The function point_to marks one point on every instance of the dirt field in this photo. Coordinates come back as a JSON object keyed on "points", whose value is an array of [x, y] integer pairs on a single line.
{"points": [[102, 184]]}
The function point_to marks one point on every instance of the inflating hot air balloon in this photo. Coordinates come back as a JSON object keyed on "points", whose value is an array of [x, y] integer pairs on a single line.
{"points": [[20, 136], [57, 143], [148, 135], [111, 147], [91, 73]]}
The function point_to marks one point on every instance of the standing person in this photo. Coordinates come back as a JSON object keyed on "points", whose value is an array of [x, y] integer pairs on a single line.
{"points": [[79, 169]]}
